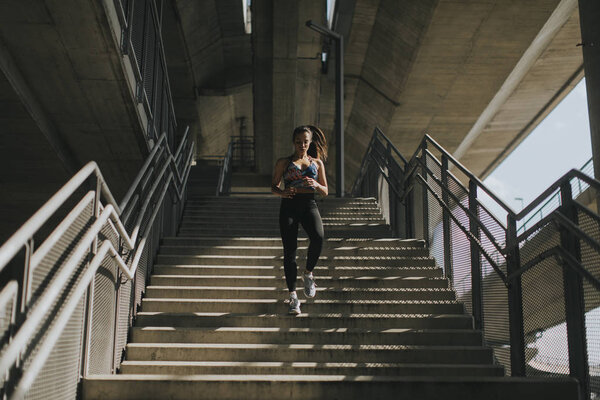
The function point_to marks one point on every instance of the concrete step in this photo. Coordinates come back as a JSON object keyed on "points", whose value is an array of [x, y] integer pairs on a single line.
{"points": [[278, 250], [321, 353], [258, 220], [278, 292], [272, 199], [249, 223], [277, 260], [307, 320], [276, 335], [354, 272], [271, 306], [329, 243], [273, 209], [220, 230], [241, 213], [323, 282], [307, 368], [307, 387]]}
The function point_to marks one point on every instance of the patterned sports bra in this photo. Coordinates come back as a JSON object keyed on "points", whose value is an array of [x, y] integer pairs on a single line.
{"points": [[293, 175]]}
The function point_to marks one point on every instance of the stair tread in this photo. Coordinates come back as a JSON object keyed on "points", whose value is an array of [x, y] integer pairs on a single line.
{"points": [[315, 378], [277, 288], [271, 277], [310, 315], [340, 330], [321, 259], [313, 347], [305, 364]]}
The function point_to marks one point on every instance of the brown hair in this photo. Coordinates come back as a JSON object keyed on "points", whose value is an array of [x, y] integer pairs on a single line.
{"points": [[318, 144]]}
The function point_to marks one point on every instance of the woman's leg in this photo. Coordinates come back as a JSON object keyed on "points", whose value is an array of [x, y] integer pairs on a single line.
{"points": [[312, 224], [288, 227]]}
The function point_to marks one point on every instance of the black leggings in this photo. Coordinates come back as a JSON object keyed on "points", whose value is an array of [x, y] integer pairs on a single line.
{"points": [[301, 210]]}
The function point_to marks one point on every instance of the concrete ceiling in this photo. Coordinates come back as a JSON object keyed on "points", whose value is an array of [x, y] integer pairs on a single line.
{"points": [[477, 75], [436, 66]]}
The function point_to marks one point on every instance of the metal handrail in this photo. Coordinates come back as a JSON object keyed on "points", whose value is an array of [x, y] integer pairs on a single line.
{"points": [[495, 266], [225, 172], [468, 174], [438, 185], [134, 245], [552, 198], [394, 149], [19, 239]]}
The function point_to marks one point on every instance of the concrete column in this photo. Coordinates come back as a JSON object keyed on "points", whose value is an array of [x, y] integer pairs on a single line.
{"points": [[285, 65], [589, 15], [262, 37]]}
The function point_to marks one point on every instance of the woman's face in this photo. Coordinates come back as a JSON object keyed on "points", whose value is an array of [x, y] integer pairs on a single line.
{"points": [[301, 143]]}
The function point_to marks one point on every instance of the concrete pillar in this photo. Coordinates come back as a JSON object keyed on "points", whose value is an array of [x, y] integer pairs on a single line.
{"points": [[262, 37], [285, 65], [589, 15]]}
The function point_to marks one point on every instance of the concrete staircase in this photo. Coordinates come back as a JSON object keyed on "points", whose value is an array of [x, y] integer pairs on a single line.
{"points": [[384, 323]]}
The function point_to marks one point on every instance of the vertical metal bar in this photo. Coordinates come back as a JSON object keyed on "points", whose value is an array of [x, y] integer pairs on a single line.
{"points": [[574, 301], [515, 301], [476, 292], [409, 213], [26, 290], [425, 193], [116, 324], [446, 222], [339, 116], [391, 195]]}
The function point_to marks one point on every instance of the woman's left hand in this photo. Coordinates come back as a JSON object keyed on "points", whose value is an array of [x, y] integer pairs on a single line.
{"points": [[310, 182]]}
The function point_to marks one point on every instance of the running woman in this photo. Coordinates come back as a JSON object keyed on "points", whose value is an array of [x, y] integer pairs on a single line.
{"points": [[303, 175]]}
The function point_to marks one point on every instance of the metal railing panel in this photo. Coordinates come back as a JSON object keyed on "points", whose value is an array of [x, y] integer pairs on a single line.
{"points": [[59, 375], [84, 276], [546, 352], [101, 336]]}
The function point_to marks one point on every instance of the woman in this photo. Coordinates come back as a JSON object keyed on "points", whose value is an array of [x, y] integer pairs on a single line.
{"points": [[303, 174]]}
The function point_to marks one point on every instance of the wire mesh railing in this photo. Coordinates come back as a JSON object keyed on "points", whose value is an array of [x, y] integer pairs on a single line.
{"points": [[533, 292], [69, 313], [554, 201]]}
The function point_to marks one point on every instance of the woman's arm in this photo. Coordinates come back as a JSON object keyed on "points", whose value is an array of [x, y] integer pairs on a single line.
{"points": [[277, 174], [320, 185]]}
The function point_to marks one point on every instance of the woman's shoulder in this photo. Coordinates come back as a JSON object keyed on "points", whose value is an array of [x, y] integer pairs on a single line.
{"points": [[319, 162]]}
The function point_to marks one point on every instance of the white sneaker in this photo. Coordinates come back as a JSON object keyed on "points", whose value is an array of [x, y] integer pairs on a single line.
{"points": [[294, 305], [310, 289]]}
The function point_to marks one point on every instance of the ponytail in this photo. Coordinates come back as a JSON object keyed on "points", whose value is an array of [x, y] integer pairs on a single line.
{"points": [[318, 146]]}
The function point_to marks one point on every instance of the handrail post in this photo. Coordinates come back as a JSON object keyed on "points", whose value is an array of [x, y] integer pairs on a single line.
{"points": [[425, 194], [391, 194], [515, 301], [574, 301], [446, 221], [476, 292], [26, 287]]}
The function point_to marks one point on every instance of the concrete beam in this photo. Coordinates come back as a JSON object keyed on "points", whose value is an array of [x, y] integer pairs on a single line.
{"points": [[557, 20], [37, 112]]}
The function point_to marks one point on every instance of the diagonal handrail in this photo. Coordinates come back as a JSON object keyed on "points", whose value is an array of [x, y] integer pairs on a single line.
{"points": [[577, 250], [225, 171]]}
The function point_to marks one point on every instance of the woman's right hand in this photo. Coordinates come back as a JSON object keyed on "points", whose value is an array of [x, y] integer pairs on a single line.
{"points": [[288, 193]]}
